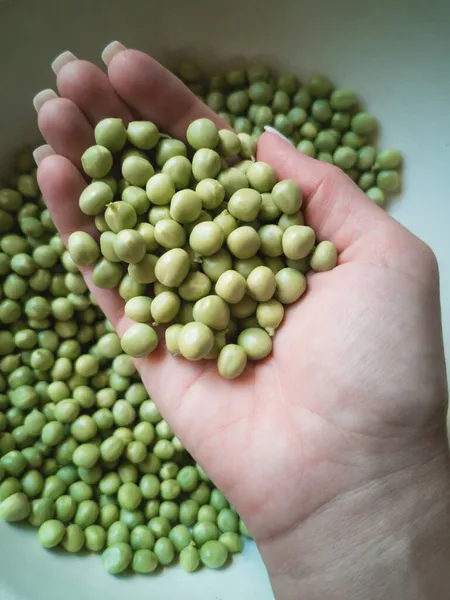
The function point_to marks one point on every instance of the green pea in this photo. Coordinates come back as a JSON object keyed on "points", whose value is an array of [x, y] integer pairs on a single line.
{"points": [[42, 510], [137, 170], [95, 538], [118, 532], [168, 470], [139, 340], [206, 164], [291, 284], [95, 197], [159, 526], [353, 140], [307, 147], [324, 257], [66, 508], [142, 538], [15, 507], [86, 455], [232, 361], [388, 181], [195, 342], [205, 531], [228, 520], [340, 121], [87, 513], [51, 533], [213, 554], [202, 133], [8, 487], [74, 538], [53, 433], [189, 558], [270, 315], [256, 343], [218, 500], [388, 160], [232, 541], [111, 134], [187, 478], [164, 551], [144, 561], [117, 558], [168, 148], [376, 195], [363, 124], [216, 101], [132, 518], [143, 134], [151, 509], [13, 462], [54, 487], [32, 483], [129, 496]]}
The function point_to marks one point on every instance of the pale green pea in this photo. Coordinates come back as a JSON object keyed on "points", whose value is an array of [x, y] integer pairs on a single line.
{"points": [[376, 195], [189, 558], [164, 550], [87, 513], [32, 483], [205, 532], [74, 538], [117, 558], [66, 508], [51, 533], [232, 541], [95, 538], [324, 257], [80, 491], [388, 181], [16, 507], [291, 284]]}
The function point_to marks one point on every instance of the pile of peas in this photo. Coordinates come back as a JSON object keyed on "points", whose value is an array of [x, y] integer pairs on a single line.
{"points": [[213, 251], [85, 456]]}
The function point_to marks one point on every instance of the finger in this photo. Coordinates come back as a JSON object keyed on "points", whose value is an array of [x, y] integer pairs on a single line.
{"points": [[156, 94], [65, 128], [89, 88], [61, 184]]}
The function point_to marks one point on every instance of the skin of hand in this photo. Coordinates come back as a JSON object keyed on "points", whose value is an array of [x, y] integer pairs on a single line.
{"points": [[349, 411]]}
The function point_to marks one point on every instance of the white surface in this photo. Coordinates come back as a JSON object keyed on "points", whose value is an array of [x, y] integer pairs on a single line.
{"points": [[394, 54]]}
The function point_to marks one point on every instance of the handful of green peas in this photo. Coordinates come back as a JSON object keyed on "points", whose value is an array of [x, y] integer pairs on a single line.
{"points": [[213, 251], [85, 456]]}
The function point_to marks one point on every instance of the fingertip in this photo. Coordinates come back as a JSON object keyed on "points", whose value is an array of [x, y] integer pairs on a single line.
{"points": [[42, 152], [111, 50]]}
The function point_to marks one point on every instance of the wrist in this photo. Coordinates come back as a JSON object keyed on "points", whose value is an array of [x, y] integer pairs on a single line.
{"points": [[388, 539]]}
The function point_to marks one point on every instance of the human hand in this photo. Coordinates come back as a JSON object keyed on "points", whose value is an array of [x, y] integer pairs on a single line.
{"points": [[355, 389]]}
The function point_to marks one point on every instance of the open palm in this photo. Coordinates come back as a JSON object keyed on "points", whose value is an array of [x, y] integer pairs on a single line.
{"points": [[356, 381]]}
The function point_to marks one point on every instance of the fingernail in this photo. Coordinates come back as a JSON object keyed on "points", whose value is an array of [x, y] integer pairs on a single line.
{"points": [[61, 60], [111, 50], [270, 129], [42, 152], [42, 97]]}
